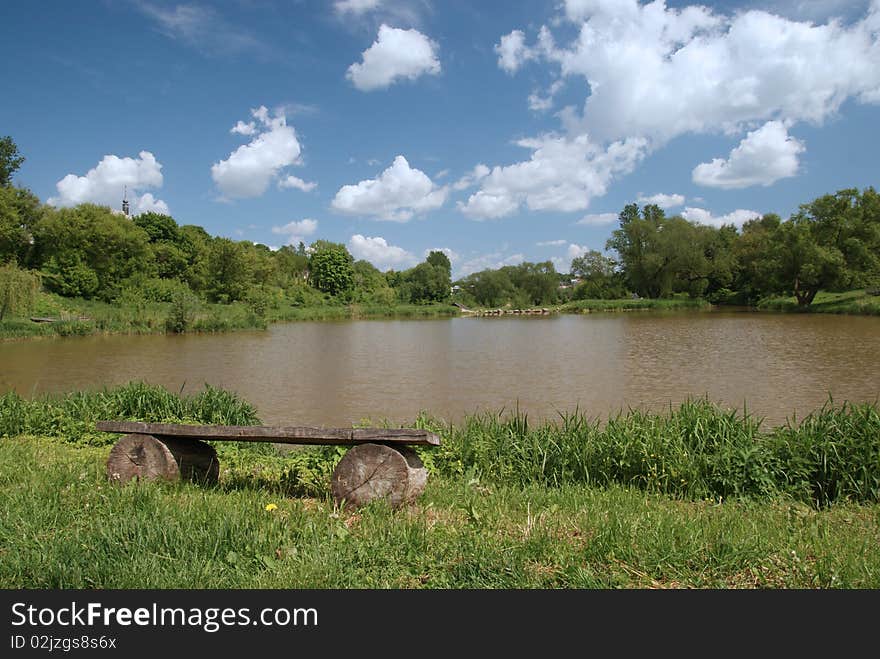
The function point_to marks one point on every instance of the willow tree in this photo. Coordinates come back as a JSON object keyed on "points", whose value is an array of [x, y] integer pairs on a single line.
{"points": [[18, 290]]}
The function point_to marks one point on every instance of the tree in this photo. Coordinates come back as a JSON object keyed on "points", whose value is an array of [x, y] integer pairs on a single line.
{"points": [[18, 290], [89, 251], [330, 268], [10, 160], [636, 242], [600, 279], [20, 210], [228, 271]]}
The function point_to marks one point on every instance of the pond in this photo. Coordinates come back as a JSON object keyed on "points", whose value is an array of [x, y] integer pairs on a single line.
{"points": [[339, 373]]}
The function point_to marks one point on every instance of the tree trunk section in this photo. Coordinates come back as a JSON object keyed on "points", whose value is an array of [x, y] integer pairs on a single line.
{"points": [[145, 457], [374, 471]]}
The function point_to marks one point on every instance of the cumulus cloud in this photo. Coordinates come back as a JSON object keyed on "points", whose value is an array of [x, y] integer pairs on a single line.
{"points": [[377, 251], [297, 231], [398, 194], [652, 73], [243, 128], [395, 55], [563, 263], [512, 51], [563, 174], [249, 170], [659, 72], [763, 157], [540, 103], [473, 177], [291, 181], [109, 179], [491, 261], [554, 243], [664, 201], [702, 216]]}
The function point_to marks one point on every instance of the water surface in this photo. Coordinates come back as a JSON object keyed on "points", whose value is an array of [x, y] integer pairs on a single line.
{"points": [[338, 373]]}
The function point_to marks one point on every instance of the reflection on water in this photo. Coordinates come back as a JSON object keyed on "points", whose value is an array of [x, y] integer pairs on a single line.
{"points": [[337, 373]]}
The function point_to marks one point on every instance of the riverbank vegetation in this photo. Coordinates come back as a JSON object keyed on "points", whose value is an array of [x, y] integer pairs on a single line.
{"points": [[89, 269], [694, 497]]}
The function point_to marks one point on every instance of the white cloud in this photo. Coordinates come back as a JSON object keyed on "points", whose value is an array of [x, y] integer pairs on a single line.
{"points": [[377, 251], [540, 103], [563, 174], [399, 193], [563, 263], [664, 201], [109, 179], [204, 29], [296, 182], [763, 157], [396, 54], [554, 243], [659, 72], [243, 128], [356, 7], [297, 231], [473, 177], [702, 216], [575, 251], [598, 219], [512, 51], [249, 169], [491, 261]]}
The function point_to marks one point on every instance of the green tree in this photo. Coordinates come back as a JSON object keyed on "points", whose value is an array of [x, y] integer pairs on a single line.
{"points": [[18, 290], [89, 250], [331, 268], [489, 288], [229, 271], [10, 160], [599, 277], [637, 243], [20, 210]]}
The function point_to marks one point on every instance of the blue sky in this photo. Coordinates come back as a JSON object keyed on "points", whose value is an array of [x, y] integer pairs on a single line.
{"points": [[498, 131]]}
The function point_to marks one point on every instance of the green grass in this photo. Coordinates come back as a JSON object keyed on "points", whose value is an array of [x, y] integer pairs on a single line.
{"points": [[860, 302], [642, 304], [359, 311], [78, 317], [64, 526], [696, 497]]}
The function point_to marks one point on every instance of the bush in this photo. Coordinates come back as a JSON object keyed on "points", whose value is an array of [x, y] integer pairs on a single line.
{"points": [[182, 313]]}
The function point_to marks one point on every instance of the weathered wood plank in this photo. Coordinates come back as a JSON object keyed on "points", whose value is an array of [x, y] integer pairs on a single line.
{"points": [[278, 435]]}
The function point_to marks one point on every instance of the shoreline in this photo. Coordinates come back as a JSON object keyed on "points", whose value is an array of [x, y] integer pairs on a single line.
{"points": [[106, 319]]}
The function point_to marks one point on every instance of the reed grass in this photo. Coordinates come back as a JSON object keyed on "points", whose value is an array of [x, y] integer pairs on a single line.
{"points": [[697, 451]]}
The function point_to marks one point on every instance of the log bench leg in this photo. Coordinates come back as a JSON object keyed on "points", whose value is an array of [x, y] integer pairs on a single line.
{"points": [[146, 457], [374, 471]]}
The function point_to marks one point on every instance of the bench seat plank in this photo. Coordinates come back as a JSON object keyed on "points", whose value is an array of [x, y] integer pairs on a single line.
{"points": [[278, 435]]}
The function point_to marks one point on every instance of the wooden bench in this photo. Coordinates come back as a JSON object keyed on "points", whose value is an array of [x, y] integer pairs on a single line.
{"points": [[380, 464]]}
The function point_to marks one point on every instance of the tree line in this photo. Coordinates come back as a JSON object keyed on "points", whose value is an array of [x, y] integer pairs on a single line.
{"points": [[90, 251]]}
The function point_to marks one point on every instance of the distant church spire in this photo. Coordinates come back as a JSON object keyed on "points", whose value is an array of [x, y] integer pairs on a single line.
{"points": [[125, 200]]}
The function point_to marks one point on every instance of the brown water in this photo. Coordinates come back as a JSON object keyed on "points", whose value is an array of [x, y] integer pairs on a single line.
{"points": [[337, 373]]}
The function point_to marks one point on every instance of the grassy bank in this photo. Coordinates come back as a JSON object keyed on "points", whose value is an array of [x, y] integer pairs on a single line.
{"points": [[696, 497], [858, 302], [641, 304], [77, 317]]}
